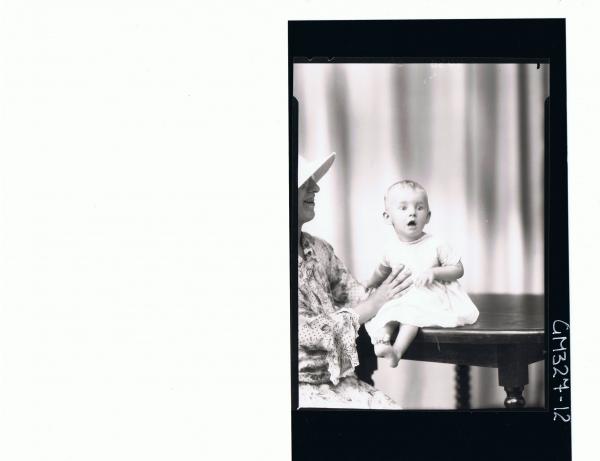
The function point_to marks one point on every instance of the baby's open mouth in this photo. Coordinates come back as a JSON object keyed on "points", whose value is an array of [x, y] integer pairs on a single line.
{"points": [[412, 223]]}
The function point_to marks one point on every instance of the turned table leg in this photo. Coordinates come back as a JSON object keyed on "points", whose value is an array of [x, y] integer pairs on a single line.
{"points": [[514, 397], [513, 373], [463, 387]]}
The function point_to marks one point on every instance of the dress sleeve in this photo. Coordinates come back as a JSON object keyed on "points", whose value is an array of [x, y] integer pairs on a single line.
{"points": [[328, 346], [447, 256], [320, 328], [316, 332], [331, 333], [315, 343], [321, 332]]}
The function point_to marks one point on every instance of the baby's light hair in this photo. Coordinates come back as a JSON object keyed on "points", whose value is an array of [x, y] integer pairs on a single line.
{"points": [[408, 184]]}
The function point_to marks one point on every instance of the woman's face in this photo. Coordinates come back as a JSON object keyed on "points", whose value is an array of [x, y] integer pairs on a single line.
{"points": [[306, 201]]}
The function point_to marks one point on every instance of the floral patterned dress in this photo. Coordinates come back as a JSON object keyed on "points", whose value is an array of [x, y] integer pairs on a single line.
{"points": [[327, 332]]}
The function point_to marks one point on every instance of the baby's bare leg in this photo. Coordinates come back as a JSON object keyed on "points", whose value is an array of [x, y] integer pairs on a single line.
{"points": [[405, 337], [383, 347]]}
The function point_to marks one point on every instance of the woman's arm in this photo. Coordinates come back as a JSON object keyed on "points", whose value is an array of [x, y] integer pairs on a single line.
{"points": [[321, 334], [392, 287], [327, 344]]}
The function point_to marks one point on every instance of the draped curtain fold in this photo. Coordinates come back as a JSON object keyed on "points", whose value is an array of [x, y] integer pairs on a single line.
{"points": [[473, 136]]}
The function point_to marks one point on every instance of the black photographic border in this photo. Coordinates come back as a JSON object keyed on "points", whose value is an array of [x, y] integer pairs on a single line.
{"points": [[446, 434]]}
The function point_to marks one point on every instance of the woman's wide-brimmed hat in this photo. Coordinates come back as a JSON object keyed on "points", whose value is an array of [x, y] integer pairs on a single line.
{"points": [[316, 168]]}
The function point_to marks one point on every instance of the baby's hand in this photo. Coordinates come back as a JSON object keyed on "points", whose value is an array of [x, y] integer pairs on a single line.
{"points": [[424, 279]]}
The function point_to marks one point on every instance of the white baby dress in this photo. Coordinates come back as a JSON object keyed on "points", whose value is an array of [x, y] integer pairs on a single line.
{"points": [[443, 304]]}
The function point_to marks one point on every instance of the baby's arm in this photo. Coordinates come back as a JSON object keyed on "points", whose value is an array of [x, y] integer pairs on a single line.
{"points": [[380, 274], [448, 273], [449, 269]]}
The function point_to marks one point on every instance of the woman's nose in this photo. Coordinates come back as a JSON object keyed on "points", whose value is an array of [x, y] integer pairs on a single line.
{"points": [[313, 186]]}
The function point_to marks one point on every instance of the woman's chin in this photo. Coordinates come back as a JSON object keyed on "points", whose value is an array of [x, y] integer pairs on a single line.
{"points": [[307, 215]]}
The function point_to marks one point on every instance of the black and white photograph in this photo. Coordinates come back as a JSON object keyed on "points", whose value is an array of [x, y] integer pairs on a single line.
{"points": [[428, 218], [421, 230]]}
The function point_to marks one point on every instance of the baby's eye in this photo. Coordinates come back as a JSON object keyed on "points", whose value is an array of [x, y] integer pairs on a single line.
{"points": [[403, 208]]}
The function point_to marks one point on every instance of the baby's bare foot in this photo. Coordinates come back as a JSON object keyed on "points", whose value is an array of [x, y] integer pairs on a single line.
{"points": [[383, 349], [386, 338]]}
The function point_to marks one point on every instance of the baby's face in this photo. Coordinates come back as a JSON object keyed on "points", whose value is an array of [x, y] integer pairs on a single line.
{"points": [[408, 211]]}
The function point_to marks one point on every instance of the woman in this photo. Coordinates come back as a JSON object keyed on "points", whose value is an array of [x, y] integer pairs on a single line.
{"points": [[331, 307]]}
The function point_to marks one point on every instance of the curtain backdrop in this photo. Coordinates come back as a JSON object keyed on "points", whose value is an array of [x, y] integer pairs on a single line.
{"points": [[473, 136]]}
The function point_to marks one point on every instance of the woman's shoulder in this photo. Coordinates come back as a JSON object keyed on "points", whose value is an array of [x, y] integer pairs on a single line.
{"points": [[317, 243]]}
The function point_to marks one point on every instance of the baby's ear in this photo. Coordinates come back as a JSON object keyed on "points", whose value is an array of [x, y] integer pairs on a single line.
{"points": [[428, 217], [386, 217]]}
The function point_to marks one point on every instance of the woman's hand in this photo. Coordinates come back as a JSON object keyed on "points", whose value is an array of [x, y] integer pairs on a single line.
{"points": [[393, 286]]}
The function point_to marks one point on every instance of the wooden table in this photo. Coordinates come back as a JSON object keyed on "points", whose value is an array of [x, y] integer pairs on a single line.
{"points": [[509, 335]]}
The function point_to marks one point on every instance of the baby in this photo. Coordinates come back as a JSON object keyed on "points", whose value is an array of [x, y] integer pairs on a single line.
{"points": [[436, 298]]}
